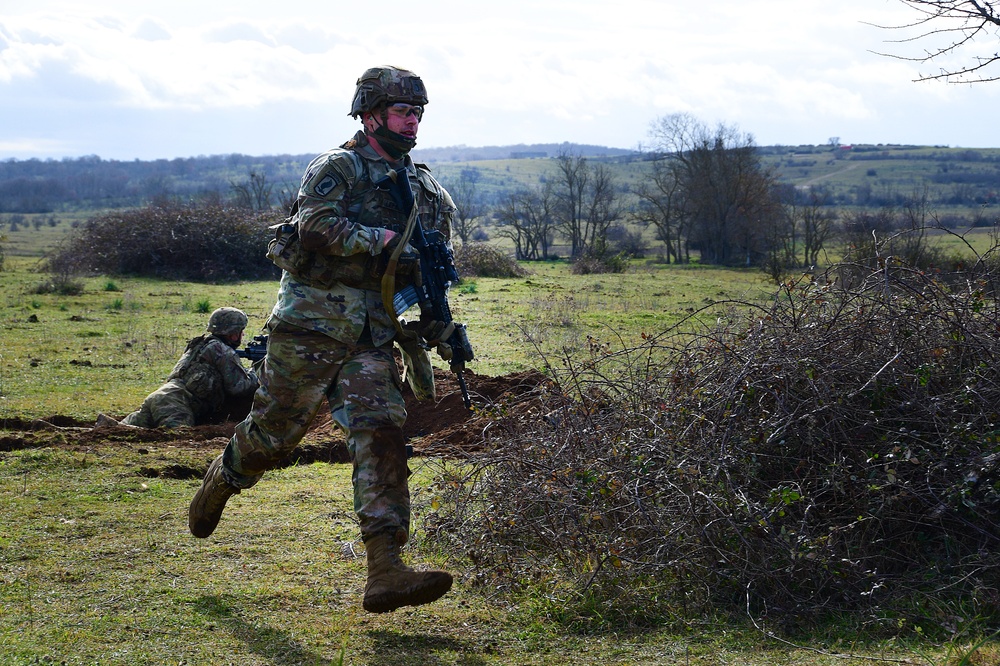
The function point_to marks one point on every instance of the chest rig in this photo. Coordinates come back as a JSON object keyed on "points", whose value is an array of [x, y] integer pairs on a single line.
{"points": [[366, 204], [201, 379]]}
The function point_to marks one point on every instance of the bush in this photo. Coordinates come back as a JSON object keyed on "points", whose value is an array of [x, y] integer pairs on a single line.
{"points": [[834, 452], [595, 263], [61, 283], [208, 243], [627, 242], [481, 260]]}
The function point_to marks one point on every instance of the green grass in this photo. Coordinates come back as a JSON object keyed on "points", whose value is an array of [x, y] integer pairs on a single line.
{"points": [[97, 566], [92, 352]]}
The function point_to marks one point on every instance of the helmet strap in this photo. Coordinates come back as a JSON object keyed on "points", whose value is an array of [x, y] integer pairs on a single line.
{"points": [[393, 143]]}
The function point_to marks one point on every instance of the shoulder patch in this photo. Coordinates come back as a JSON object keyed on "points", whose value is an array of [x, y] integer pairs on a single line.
{"points": [[325, 185], [331, 174]]}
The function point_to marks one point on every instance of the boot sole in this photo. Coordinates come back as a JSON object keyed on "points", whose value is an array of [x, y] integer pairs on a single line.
{"points": [[425, 594]]}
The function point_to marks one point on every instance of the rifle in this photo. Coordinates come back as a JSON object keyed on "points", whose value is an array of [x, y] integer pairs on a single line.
{"points": [[437, 274], [255, 350]]}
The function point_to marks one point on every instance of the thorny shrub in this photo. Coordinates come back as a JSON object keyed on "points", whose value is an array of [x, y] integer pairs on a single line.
{"points": [[592, 263], [482, 260], [834, 452], [198, 242]]}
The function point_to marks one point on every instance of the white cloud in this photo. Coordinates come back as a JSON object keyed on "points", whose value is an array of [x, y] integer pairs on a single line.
{"points": [[522, 71], [152, 30]]}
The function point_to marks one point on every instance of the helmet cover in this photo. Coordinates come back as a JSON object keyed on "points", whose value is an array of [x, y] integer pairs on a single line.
{"points": [[227, 321], [381, 86]]}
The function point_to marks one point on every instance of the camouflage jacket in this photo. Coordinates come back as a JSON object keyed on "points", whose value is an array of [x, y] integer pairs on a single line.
{"points": [[210, 370], [340, 221]]}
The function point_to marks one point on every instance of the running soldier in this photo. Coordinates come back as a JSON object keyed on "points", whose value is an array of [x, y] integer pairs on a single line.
{"points": [[330, 334]]}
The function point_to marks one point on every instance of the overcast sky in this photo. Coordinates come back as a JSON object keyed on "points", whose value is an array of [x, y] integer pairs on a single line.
{"points": [[129, 79]]}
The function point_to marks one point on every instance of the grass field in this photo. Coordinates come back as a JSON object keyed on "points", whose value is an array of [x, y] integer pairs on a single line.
{"points": [[97, 566], [105, 348]]}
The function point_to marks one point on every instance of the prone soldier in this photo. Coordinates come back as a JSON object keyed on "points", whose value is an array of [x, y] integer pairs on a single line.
{"points": [[208, 372]]}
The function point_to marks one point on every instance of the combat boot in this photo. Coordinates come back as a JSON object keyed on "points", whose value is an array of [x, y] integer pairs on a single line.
{"points": [[391, 584], [208, 503], [105, 421]]}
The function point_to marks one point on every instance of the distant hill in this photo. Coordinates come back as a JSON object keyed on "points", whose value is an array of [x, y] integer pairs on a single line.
{"points": [[519, 151], [963, 183], [37, 186]]}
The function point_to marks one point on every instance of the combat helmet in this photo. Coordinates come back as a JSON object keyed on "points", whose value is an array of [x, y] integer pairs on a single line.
{"points": [[227, 321], [380, 86]]}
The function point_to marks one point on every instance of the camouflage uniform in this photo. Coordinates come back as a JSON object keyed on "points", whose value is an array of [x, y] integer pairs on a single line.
{"points": [[207, 372], [330, 335]]}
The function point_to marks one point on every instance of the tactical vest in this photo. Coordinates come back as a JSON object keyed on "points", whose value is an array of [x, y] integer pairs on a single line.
{"points": [[201, 379], [366, 205]]}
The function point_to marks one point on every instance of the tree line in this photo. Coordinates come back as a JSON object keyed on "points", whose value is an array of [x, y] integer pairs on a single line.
{"points": [[706, 194], [36, 186]]}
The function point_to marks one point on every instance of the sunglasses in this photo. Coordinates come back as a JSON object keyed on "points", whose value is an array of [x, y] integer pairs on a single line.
{"points": [[404, 110]]}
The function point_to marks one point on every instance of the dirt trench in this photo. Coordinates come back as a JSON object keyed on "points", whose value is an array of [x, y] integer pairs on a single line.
{"points": [[443, 428]]}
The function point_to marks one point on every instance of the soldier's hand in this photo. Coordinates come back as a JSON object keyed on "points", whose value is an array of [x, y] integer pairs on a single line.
{"points": [[444, 351], [391, 239], [435, 332]]}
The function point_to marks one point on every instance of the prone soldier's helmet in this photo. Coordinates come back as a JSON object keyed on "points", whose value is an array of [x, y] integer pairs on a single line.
{"points": [[380, 86], [227, 321]]}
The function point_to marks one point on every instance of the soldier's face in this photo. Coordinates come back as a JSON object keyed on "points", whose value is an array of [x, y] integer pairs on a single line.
{"points": [[402, 119]]}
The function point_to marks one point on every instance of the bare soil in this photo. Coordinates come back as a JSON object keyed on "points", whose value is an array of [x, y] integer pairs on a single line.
{"points": [[443, 428]]}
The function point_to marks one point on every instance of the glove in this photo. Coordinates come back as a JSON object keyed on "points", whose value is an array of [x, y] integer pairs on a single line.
{"points": [[444, 351], [435, 332], [408, 263]]}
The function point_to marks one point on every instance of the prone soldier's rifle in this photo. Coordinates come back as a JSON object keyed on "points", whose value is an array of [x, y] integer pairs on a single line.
{"points": [[437, 274], [255, 350]]}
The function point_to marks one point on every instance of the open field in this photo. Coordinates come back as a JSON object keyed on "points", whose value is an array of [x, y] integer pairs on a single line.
{"points": [[97, 567]]}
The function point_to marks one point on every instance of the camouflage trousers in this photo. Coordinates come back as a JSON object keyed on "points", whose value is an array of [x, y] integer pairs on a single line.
{"points": [[362, 387], [167, 407]]}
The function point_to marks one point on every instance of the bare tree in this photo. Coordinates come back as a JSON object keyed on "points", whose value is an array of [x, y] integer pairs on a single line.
{"points": [[661, 203], [816, 221], [587, 203], [573, 175], [963, 28], [253, 193], [525, 217], [729, 196], [602, 207], [469, 201]]}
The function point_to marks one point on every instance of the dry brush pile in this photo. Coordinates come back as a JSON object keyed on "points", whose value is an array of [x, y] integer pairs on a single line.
{"points": [[198, 242], [482, 260], [837, 451]]}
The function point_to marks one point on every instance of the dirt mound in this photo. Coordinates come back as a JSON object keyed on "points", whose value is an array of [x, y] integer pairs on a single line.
{"points": [[445, 428]]}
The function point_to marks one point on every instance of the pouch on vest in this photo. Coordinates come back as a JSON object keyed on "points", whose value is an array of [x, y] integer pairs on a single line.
{"points": [[202, 381], [417, 370], [320, 271]]}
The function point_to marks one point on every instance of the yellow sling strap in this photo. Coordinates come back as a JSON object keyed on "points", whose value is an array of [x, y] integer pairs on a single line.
{"points": [[389, 277]]}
